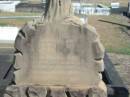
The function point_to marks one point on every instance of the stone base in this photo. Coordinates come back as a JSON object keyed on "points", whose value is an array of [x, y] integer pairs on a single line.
{"points": [[53, 91]]}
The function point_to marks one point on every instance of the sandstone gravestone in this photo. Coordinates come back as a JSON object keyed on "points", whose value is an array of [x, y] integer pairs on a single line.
{"points": [[59, 56]]}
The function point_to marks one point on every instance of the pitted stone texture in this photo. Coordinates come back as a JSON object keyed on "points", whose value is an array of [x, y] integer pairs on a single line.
{"points": [[52, 91], [100, 65], [25, 91], [60, 51], [96, 93], [100, 91]]}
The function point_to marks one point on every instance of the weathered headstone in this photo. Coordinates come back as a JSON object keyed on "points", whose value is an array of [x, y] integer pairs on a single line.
{"points": [[60, 54]]}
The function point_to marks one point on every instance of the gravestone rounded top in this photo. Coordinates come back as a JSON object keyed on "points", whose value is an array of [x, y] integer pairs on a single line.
{"points": [[61, 51]]}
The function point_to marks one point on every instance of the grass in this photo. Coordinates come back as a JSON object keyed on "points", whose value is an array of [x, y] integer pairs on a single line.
{"points": [[16, 22], [13, 22], [122, 50], [113, 38], [3, 24], [19, 14]]}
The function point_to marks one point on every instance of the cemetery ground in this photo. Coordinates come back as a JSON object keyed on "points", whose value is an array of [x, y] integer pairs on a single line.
{"points": [[18, 22], [116, 40]]}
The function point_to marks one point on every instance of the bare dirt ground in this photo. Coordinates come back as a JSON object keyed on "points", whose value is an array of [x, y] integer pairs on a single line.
{"points": [[122, 64], [113, 37], [116, 42]]}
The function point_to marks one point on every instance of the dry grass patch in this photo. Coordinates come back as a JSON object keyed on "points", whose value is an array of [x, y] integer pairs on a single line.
{"points": [[13, 22], [114, 39], [19, 14], [18, 21]]}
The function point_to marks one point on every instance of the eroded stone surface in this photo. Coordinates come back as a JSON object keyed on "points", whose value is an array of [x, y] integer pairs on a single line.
{"points": [[53, 91], [61, 50], [57, 53]]}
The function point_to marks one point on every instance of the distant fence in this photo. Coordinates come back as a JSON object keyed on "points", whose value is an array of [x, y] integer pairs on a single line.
{"points": [[93, 11]]}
